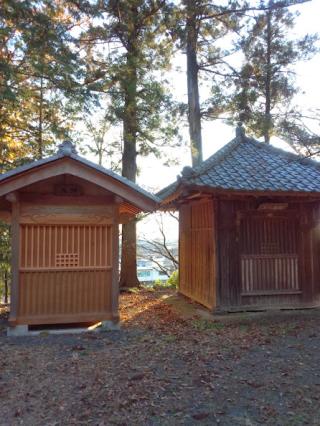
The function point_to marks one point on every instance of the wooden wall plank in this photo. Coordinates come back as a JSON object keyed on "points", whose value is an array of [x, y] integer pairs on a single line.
{"points": [[197, 252], [63, 275], [64, 293]]}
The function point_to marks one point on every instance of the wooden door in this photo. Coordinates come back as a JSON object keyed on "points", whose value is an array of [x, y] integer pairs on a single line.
{"points": [[197, 261], [64, 272], [269, 258]]}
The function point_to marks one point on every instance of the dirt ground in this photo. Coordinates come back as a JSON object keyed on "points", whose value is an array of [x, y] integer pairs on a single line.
{"points": [[170, 364]]}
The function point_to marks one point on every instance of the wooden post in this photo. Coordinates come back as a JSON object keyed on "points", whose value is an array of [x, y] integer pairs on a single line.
{"points": [[115, 261], [15, 247], [216, 277]]}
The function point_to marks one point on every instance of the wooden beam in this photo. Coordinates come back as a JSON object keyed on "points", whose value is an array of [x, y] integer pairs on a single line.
{"points": [[51, 199], [72, 167], [184, 192]]}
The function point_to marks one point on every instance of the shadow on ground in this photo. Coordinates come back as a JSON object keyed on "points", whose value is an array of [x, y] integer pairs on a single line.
{"points": [[170, 364]]}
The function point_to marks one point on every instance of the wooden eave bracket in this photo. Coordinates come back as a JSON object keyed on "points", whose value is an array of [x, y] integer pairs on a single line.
{"points": [[12, 197]]}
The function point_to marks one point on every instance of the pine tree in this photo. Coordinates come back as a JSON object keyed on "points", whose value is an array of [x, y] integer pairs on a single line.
{"points": [[203, 25], [40, 86], [128, 49], [265, 86]]}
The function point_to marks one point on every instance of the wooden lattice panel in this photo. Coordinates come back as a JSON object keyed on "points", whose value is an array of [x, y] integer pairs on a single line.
{"points": [[65, 246], [269, 260], [67, 260], [65, 272]]}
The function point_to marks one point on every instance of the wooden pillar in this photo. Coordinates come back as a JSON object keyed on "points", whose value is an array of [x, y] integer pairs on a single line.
{"points": [[305, 256], [15, 255], [115, 261], [217, 278]]}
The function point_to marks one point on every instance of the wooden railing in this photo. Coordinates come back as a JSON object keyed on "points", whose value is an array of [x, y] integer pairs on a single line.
{"points": [[269, 274]]}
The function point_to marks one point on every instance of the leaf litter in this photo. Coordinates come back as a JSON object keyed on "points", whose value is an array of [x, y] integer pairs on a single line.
{"points": [[166, 366]]}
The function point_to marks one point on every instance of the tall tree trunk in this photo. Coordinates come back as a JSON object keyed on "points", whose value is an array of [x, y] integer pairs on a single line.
{"points": [[100, 153], [6, 288], [194, 114], [128, 274], [40, 123], [267, 118]]}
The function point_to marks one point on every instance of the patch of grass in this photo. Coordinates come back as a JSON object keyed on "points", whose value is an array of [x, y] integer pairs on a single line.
{"points": [[148, 288], [133, 290], [203, 325], [171, 283]]}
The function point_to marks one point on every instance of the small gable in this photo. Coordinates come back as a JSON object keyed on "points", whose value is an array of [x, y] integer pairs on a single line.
{"points": [[67, 176]]}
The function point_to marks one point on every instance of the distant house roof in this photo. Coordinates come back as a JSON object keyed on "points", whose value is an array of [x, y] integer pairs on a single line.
{"points": [[245, 164]]}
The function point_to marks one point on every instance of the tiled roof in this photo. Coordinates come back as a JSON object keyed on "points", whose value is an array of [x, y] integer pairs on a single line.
{"points": [[245, 164]]}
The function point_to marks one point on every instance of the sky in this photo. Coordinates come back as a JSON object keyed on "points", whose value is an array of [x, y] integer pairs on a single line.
{"points": [[154, 176]]}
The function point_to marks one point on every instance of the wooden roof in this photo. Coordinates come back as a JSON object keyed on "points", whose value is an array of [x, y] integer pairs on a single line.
{"points": [[67, 161]]}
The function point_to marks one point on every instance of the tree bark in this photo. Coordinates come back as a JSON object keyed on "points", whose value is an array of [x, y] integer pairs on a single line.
{"points": [[194, 114], [40, 123], [267, 118], [128, 274], [6, 288]]}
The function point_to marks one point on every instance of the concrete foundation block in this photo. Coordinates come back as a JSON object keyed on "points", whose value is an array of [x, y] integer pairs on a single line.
{"points": [[110, 325], [18, 330]]}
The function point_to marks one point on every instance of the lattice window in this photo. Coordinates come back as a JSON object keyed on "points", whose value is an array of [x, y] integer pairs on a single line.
{"points": [[63, 246], [67, 260], [270, 248], [269, 255]]}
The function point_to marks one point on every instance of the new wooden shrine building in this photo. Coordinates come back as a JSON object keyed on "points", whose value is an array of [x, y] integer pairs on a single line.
{"points": [[249, 228], [64, 213]]}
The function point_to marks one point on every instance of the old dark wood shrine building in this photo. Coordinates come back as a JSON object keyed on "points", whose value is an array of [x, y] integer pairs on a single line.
{"points": [[249, 228], [64, 213]]}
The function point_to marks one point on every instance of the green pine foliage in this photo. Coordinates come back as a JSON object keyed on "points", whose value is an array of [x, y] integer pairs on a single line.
{"points": [[265, 86], [128, 52], [40, 90]]}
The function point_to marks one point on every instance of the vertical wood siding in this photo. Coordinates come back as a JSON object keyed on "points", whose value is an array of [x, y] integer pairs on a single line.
{"points": [[197, 252], [269, 255], [268, 258], [315, 238], [65, 270], [65, 246], [228, 253]]}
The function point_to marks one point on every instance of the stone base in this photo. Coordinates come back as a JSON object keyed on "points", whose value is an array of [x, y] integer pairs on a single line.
{"points": [[18, 330], [110, 325], [23, 330]]}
